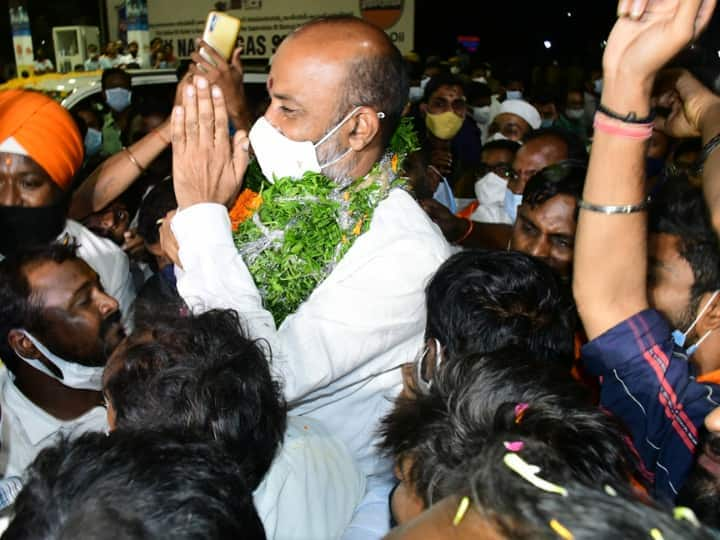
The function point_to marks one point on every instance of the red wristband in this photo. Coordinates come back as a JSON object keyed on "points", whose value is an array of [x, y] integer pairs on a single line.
{"points": [[156, 131], [471, 226], [612, 126]]}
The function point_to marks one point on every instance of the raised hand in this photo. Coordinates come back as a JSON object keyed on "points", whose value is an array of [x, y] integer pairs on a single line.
{"points": [[649, 33], [207, 165], [689, 101], [229, 77]]}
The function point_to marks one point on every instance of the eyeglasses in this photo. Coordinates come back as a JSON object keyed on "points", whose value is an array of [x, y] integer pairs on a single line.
{"points": [[425, 368], [439, 105]]}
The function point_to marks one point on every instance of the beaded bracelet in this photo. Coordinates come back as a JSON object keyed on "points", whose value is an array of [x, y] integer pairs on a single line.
{"points": [[708, 149], [630, 118]]}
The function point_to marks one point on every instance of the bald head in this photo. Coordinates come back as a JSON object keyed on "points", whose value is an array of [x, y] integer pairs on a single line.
{"points": [[536, 154], [360, 58]]}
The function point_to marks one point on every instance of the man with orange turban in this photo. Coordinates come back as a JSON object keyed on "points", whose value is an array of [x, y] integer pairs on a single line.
{"points": [[41, 151]]}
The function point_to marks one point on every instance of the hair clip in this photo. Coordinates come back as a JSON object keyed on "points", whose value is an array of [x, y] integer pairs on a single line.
{"points": [[561, 530], [610, 491], [655, 534], [461, 511], [520, 409], [514, 446], [683, 512], [530, 473]]}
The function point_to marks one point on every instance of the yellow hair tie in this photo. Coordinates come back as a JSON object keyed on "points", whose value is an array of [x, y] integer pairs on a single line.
{"points": [[461, 511], [561, 530], [655, 534]]}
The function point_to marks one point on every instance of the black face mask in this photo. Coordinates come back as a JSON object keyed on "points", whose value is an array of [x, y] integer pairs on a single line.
{"points": [[22, 228]]}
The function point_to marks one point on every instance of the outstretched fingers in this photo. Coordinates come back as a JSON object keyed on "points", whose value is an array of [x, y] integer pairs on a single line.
{"points": [[191, 115], [222, 136], [206, 115]]}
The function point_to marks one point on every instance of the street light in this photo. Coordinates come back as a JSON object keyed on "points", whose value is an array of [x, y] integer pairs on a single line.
{"points": [[547, 44]]}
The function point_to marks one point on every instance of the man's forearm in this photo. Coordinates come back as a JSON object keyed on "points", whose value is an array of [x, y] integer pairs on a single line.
{"points": [[116, 174], [610, 252], [710, 127]]}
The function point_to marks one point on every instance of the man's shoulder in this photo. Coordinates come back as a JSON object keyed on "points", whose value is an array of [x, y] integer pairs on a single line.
{"points": [[645, 330], [100, 253]]}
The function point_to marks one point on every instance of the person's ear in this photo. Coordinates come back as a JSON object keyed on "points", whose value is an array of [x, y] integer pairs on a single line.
{"points": [[711, 319], [22, 345], [365, 127]]}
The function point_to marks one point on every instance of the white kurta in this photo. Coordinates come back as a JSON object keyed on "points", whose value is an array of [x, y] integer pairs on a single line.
{"points": [[340, 353], [27, 429], [312, 488]]}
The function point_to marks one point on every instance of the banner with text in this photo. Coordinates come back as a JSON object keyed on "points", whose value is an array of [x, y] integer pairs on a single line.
{"points": [[22, 39], [266, 22]]}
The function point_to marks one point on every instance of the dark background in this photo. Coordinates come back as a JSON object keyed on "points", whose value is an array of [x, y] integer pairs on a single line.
{"points": [[510, 32]]}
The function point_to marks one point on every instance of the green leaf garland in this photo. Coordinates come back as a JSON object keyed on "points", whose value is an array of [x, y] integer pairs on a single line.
{"points": [[305, 226]]}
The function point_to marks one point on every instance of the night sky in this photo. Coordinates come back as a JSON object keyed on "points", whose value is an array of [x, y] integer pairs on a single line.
{"points": [[509, 32]]}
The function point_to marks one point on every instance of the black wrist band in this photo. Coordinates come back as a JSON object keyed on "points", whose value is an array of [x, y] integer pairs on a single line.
{"points": [[708, 149], [630, 118]]}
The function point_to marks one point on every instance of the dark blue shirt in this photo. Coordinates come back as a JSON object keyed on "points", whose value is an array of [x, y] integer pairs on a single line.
{"points": [[647, 381]]}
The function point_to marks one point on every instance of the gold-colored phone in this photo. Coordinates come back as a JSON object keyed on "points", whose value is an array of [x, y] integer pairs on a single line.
{"points": [[221, 33]]}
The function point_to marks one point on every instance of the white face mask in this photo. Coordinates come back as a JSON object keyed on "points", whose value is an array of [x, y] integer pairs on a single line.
{"points": [[513, 94], [490, 188], [73, 375], [498, 137], [481, 115], [279, 156], [416, 93], [424, 81]]}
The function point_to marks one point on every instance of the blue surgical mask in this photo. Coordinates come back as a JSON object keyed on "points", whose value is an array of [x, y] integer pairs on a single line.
{"points": [[444, 194], [546, 122], [679, 337], [513, 94], [512, 201], [93, 142], [118, 99]]}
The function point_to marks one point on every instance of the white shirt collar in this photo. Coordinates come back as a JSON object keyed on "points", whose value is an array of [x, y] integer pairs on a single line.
{"points": [[37, 424]]}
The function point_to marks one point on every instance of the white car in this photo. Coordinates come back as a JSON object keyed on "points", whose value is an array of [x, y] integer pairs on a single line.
{"points": [[72, 89]]}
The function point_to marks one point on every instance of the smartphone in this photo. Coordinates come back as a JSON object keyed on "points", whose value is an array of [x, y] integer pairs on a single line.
{"points": [[221, 33]]}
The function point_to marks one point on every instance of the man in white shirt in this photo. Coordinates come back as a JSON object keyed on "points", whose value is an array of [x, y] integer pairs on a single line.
{"points": [[40, 152], [199, 375], [57, 328], [340, 353]]}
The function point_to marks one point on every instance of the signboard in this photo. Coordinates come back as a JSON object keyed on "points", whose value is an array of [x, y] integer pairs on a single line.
{"points": [[22, 40], [136, 12], [265, 23]]}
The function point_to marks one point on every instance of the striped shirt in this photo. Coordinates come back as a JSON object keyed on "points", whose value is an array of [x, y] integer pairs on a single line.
{"points": [[648, 383]]}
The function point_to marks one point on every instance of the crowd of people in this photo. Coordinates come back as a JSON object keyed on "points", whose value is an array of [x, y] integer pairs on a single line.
{"points": [[395, 299]]}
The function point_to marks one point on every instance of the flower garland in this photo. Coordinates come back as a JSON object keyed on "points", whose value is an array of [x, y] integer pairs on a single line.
{"points": [[293, 232]]}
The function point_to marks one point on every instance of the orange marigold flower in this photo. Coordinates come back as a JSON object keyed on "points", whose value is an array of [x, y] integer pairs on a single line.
{"points": [[358, 227], [394, 163], [245, 206]]}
